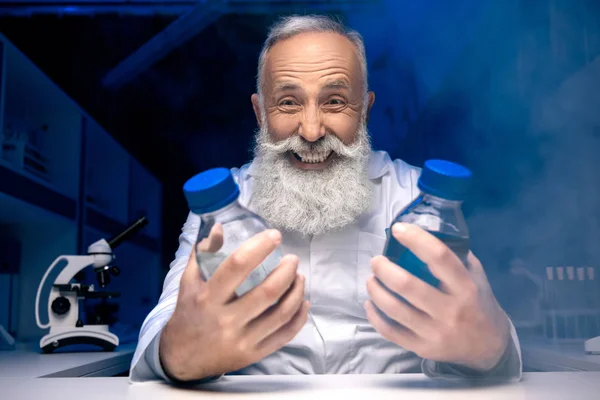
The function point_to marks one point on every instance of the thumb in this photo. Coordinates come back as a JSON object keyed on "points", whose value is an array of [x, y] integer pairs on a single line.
{"points": [[474, 265], [477, 271], [214, 241], [211, 244]]}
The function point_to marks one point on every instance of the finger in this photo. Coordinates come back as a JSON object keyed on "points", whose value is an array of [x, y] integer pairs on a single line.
{"points": [[403, 313], [214, 241], [191, 274], [278, 315], [420, 294], [478, 273], [394, 333], [285, 334], [276, 284], [474, 265], [442, 261], [237, 266]]}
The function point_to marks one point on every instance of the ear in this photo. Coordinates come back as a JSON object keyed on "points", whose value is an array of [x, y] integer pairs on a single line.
{"points": [[371, 101], [256, 107]]}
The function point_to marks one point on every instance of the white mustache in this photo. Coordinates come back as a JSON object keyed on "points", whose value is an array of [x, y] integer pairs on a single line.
{"points": [[325, 144]]}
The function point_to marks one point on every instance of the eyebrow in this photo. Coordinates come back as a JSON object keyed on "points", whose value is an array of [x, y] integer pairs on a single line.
{"points": [[335, 84], [282, 86]]}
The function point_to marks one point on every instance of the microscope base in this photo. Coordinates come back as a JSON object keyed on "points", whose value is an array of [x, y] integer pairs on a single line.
{"points": [[592, 346], [7, 342], [97, 335]]}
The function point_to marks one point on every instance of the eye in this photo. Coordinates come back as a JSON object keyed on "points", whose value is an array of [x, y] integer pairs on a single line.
{"points": [[287, 103], [335, 102]]}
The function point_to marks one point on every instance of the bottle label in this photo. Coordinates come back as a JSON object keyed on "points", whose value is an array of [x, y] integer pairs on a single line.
{"points": [[427, 218]]}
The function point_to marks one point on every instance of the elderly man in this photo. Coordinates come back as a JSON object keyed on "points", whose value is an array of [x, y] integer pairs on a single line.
{"points": [[329, 198]]}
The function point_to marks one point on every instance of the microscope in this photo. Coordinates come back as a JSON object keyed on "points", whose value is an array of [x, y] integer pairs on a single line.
{"points": [[66, 328]]}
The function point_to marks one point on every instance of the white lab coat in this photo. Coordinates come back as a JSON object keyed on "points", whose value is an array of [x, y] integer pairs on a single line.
{"points": [[337, 338]]}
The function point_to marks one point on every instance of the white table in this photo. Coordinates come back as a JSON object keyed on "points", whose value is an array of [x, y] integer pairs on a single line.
{"points": [[535, 385], [558, 357], [28, 362]]}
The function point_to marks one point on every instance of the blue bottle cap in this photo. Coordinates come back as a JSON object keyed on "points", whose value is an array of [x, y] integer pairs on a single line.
{"points": [[210, 190], [445, 179]]}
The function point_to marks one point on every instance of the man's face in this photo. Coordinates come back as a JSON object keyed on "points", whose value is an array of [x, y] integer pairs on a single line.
{"points": [[313, 86], [312, 148]]}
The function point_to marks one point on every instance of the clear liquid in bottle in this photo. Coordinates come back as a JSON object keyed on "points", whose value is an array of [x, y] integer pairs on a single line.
{"points": [[213, 195]]}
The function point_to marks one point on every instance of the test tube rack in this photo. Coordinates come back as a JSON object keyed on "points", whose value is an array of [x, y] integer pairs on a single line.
{"points": [[571, 304]]}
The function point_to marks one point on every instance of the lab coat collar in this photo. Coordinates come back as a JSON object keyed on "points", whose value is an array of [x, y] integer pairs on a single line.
{"points": [[379, 165]]}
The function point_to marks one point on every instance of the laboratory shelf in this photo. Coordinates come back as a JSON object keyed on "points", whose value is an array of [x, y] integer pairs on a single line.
{"points": [[144, 198], [106, 173], [41, 126], [15, 184], [65, 181]]}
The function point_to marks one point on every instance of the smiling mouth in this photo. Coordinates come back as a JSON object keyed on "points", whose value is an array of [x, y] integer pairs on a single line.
{"points": [[310, 157]]}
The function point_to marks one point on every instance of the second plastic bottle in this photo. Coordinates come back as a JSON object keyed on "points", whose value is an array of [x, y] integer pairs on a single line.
{"points": [[438, 210]]}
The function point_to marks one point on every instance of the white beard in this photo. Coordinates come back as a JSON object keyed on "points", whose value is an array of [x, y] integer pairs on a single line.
{"points": [[311, 202]]}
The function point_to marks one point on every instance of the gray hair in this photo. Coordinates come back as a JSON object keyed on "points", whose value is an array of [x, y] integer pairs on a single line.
{"points": [[296, 24]]}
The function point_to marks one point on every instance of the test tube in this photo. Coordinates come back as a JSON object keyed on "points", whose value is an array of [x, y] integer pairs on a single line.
{"points": [[581, 304], [596, 292], [590, 293], [570, 303], [560, 303], [550, 304]]}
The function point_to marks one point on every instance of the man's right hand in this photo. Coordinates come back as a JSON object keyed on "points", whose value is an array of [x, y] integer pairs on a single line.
{"points": [[212, 331]]}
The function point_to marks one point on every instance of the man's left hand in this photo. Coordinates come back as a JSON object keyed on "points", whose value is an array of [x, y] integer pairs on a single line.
{"points": [[459, 322]]}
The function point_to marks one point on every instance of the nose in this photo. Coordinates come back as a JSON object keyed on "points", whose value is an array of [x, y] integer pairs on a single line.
{"points": [[311, 127]]}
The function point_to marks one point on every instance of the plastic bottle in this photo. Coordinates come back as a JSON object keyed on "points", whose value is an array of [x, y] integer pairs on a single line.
{"points": [[213, 195], [437, 209]]}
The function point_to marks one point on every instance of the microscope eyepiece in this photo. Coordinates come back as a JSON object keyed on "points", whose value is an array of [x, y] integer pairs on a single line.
{"points": [[129, 231]]}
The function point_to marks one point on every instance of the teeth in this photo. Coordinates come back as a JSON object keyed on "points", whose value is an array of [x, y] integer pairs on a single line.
{"points": [[314, 157]]}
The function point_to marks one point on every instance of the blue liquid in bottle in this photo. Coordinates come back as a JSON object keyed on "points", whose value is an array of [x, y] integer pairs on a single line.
{"points": [[438, 210]]}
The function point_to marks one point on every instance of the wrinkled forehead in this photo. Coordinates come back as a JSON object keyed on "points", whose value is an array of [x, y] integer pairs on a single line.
{"points": [[313, 59]]}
